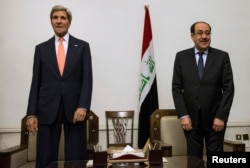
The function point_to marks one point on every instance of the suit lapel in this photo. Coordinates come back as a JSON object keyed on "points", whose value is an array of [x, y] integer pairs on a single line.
{"points": [[72, 48], [52, 57], [209, 61], [193, 64]]}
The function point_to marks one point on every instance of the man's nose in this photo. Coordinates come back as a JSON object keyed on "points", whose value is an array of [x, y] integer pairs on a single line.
{"points": [[58, 20]]}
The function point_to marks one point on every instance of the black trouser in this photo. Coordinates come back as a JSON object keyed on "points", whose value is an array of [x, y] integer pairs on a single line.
{"points": [[195, 141], [48, 138]]}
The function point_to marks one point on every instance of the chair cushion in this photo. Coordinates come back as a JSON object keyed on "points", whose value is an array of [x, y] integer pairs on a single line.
{"points": [[172, 133], [32, 148]]}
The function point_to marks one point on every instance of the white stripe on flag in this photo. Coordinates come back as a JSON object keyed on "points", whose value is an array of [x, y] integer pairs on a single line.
{"points": [[147, 72]]}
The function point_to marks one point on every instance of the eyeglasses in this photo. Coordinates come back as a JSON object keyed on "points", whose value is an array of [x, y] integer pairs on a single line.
{"points": [[200, 33]]}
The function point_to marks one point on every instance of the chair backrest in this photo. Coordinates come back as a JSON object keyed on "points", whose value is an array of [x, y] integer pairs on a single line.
{"points": [[93, 128], [165, 127], [155, 122], [119, 125], [92, 132]]}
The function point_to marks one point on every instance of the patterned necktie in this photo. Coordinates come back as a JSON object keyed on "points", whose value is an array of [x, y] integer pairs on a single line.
{"points": [[200, 64], [61, 56]]}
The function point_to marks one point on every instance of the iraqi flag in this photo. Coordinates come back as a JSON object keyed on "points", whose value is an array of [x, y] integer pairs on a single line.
{"points": [[148, 95]]}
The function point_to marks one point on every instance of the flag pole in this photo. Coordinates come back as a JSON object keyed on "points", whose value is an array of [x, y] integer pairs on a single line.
{"points": [[148, 96]]}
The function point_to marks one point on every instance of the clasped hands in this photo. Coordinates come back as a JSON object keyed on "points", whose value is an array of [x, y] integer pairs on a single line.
{"points": [[32, 121]]}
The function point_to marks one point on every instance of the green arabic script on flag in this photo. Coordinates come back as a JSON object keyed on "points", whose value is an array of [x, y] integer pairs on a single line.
{"points": [[145, 78]]}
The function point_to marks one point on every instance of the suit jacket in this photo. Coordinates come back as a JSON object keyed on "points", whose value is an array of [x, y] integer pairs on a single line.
{"points": [[213, 93], [49, 88]]}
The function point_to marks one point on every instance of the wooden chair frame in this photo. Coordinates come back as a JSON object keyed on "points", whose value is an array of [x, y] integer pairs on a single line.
{"points": [[119, 120]]}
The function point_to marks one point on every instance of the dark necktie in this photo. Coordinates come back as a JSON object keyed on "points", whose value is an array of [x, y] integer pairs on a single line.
{"points": [[200, 64]]}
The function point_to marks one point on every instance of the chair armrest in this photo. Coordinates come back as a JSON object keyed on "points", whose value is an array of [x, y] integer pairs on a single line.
{"points": [[13, 156], [233, 146]]}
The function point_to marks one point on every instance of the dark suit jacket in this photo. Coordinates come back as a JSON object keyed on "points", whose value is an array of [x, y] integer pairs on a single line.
{"points": [[213, 93], [48, 87]]}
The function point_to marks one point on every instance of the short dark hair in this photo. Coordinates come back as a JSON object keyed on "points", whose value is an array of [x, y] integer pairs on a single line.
{"points": [[192, 28], [61, 8]]}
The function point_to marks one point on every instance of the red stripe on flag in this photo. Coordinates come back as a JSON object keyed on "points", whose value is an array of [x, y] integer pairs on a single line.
{"points": [[147, 34]]}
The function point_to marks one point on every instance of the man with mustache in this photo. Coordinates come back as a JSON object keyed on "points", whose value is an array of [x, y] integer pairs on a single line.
{"points": [[203, 91]]}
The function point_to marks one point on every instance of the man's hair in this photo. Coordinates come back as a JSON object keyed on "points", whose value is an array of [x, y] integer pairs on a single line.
{"points": [[192, 28], [61, 8]]}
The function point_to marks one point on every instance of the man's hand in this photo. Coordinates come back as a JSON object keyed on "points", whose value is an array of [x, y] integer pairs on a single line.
{"points": [[186, 123], [32, 124], [79, 115], [218, 125]]}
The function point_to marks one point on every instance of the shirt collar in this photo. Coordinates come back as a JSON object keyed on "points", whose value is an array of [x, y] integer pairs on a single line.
{"points": [[65, 38], [196, 51]]}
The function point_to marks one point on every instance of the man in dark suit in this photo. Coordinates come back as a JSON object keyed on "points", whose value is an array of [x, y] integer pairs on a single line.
{"points": [[60, 95], [202, 98]]}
